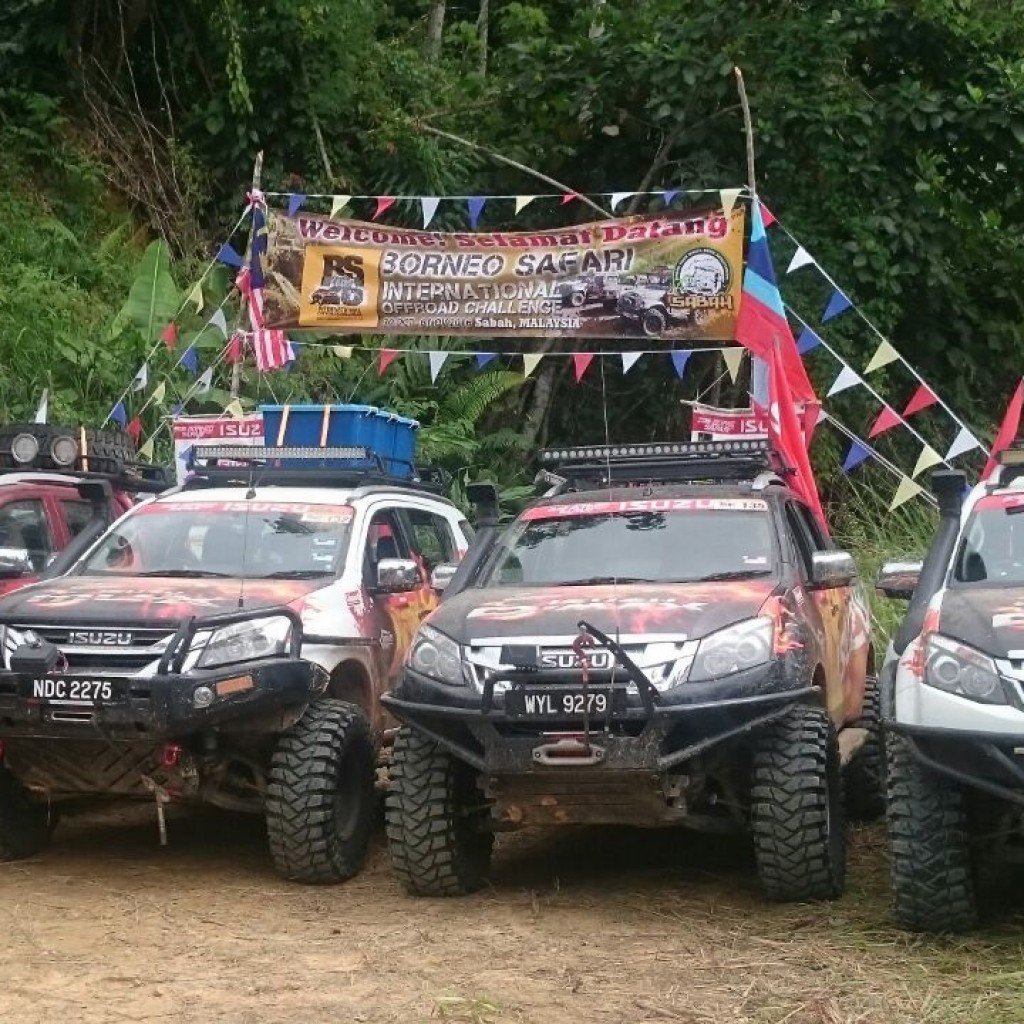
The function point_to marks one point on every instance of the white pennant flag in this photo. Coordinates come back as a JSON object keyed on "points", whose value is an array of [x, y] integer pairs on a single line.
{"points": [[728, 197], [801, 258], [205, 382], [629, 360], [141, 378], [429, 205], [437, 360], [522, 202], [620, 197], [43, 409], [219, 321], [964, 441], [846, 379], [338, 203]]}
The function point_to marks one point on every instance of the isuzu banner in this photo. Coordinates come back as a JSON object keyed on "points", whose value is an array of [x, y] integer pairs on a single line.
{"points": [[195, 431], [710, 424], [674, 276]]}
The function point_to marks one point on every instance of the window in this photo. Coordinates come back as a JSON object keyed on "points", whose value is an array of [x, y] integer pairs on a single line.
{"points": [[23, 526], [433, 538], [801, 539], [78, 515], [819, 542], [384, 539]]}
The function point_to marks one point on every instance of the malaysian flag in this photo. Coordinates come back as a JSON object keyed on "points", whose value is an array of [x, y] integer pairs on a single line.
{"points": [[272, 349]]}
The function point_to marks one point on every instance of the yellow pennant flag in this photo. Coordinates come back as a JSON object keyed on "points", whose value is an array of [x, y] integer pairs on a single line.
{"points": [[146, 451], [530, 362], [234, 409], [884, 355], [907, 489], [522, 202], [733, 360], [338, 203], [158, 393], [728, 197], [196, 296], [929, 457], [342, 351]]}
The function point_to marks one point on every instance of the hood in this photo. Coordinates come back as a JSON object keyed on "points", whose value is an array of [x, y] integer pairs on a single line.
{"points": [[690, 610], [990, 619], [129, 600]]}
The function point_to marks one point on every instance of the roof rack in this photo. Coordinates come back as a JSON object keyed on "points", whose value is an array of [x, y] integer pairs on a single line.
{"points": [[663, 462], [142, 479]]}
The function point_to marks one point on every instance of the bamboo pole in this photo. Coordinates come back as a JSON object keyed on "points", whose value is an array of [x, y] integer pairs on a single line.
{"points": [[243, 309]]}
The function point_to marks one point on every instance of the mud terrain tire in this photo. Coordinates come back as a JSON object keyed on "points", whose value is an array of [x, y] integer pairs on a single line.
{"points": [[25, 824], [654, 323], [435, 817], [108, 451], [320, 795], [796, 812], [930, 859], [864, 784]]}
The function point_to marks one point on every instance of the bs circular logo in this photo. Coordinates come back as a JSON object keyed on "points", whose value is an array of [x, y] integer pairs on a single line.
{"points": [[702, 272]]}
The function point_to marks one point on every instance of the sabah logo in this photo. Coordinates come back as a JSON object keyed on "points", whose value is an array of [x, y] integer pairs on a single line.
{"points": [[701, 280]]}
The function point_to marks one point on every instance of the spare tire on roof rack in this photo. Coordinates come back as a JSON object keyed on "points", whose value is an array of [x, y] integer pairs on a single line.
{"points": [[47, 446]]}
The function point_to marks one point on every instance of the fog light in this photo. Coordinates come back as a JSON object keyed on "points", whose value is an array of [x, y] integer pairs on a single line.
{"points": [[202, 697], [64, 450], [24, 448]]}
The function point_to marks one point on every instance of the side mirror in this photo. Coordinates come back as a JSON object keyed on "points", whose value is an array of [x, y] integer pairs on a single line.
{"points": [[832, 569], [898, 579], [442, 575], [14, 562], [398, 576]]}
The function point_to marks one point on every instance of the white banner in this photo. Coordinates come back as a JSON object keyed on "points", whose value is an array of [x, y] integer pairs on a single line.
{"points": [[191, 431], [711, 424]]}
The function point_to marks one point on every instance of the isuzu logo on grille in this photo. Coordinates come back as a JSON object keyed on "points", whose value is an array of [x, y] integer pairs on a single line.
{"points": [[100, 638], [597, 660]]}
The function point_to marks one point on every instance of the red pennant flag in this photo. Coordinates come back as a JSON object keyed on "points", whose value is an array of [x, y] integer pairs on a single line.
{"points": [[812, 417], [767, 216], [387, 357], [384, 203], [569, 197], [169, 335], [1008, 429], [581, 360], [234, 353], [923, 397], [135, 428], [887, 419]]}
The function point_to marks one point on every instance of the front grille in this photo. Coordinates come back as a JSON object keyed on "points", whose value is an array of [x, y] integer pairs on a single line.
{"points": [[93, 649]]}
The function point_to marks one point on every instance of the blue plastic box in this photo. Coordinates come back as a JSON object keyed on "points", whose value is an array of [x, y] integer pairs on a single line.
{"points": [[390, 436]]}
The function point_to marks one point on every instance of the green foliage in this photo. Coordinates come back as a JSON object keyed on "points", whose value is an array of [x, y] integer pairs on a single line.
{"points": [[153, 299]]}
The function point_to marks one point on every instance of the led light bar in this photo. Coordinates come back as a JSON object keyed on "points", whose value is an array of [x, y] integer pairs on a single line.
{"points": [[252, 453], [654, 450]]}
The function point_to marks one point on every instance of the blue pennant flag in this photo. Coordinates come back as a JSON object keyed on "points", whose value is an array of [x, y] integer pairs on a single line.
{"points": [[483, 358], [179, 408], [186, 454], [476, 206], [679, 361], [807, 342], [227, 254], [190, 360], [670, 195], [839, 303], [295, 202], [855, 456], [118, 414]]}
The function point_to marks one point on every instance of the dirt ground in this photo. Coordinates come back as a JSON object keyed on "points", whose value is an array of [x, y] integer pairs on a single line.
{"points": [[603, 926]]}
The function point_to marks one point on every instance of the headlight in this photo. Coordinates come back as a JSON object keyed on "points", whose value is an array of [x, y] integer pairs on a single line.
{"points": [[957, 668], [245, 641], [435, 655], [733, 649]]}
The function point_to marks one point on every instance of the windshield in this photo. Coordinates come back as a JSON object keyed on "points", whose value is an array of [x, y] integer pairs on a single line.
{"points": [[649, 541], [234, 539], [992, 548]]}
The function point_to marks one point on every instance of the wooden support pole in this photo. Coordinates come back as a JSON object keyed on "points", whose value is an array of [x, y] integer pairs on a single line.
{"points": [[243, 309]]}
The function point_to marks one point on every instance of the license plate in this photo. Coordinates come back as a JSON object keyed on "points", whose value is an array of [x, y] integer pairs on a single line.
{"points": [[559, 703], [72, 691]]}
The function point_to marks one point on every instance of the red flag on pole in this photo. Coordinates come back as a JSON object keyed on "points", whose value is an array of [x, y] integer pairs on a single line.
{"points": [[1008, 430]]}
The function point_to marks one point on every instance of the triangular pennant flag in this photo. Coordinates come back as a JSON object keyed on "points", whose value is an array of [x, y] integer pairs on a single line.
{"points": [[964, 441], [234, 409], [668, 198], [855, 456], [767, 217], [158, 393], [338, 203], [219, 321], [886, 420], [146, 451], [811, 418], [569, 197], [43, 408], [384, 203], [387, 357], [179, 408], [1008, 430], [728, 197], [620, 197], [342, 351], [437, 360], [118, 414], [846, 379], [483, 358], [141, 379], [884, 355], [235, 347], [629, 360], [295, 201], [679, 361], [733, 359], [929, 457], [169, 335], [907, 489], [196, 297], [205, 382], [530, 361], [227, 254], [135, 428], [923, 397], [190, 359], [839, 303], [522, 202], [807, 342], [475, 204], [581, 360], [429, 205], [801, 258]]}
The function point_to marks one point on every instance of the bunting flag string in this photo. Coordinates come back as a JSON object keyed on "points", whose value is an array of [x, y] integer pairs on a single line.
{"points": [[629, 360], [531, 360]]}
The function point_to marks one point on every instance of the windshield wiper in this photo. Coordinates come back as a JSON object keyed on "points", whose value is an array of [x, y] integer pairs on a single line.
{"points": [[187, 573], [732, 574], [593, 581], [297, 574]]}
